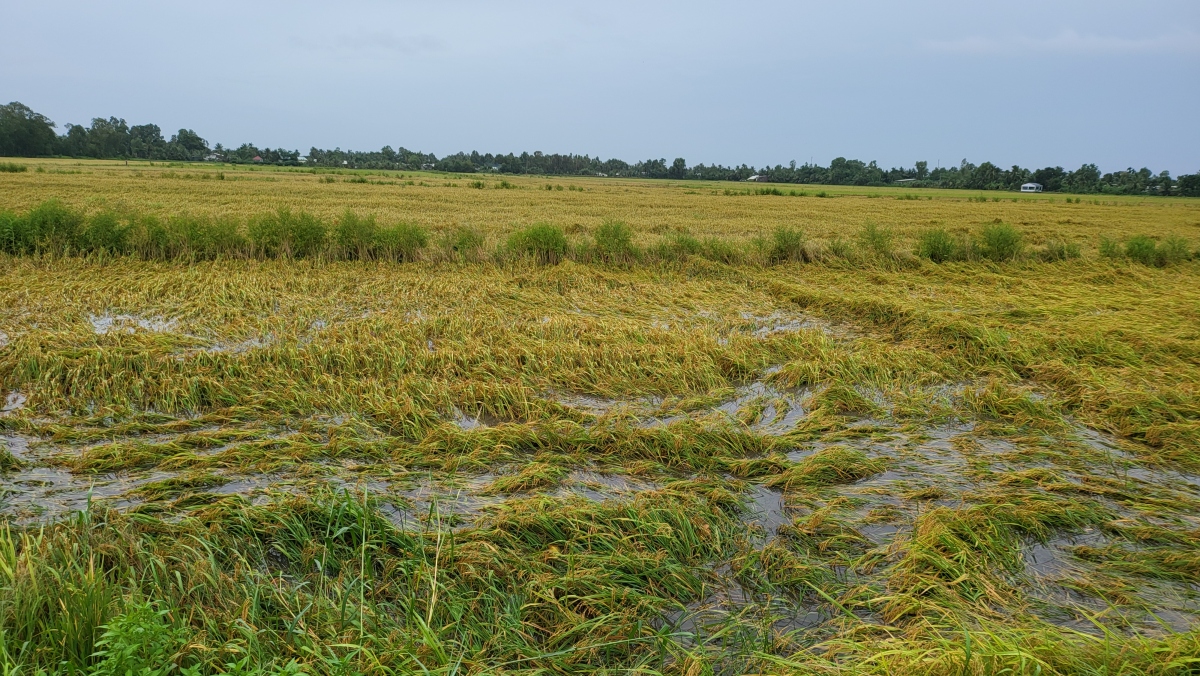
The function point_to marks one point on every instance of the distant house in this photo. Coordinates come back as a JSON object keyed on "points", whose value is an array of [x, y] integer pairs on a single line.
{"points": [[256, 159], [303, 159], [1031, 187], [212, 157], [905, 180], [758, 177]]}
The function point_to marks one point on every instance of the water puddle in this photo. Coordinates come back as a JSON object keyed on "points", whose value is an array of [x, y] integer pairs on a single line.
{"points": [[763, 326], [12, 402], [726, 604], [470, 422], [766, 510], [599, 487], [1053, 558], [123, 323], [1125, 465], [764, 409], [35, 492]]}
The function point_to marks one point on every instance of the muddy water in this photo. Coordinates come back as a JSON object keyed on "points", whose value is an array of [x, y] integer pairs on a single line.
{"points": [[126, 323], [39, 492], [926, 466], [770, 411]]}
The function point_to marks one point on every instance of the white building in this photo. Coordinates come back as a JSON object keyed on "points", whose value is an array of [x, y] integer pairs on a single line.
{"points": [[1031, 187]]}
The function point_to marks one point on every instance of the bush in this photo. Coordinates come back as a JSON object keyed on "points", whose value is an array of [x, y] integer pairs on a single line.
{"points": [[544, 242], [876, 240], [1142, 249], [716, 249], [285, 234], [140, 641], [1174, 249], [787, 244], [14, 233], [401, 242], [678, 246], [1001, 242], [104, 232], [12, 168], [306, 233], [936, 244], [355, 236], [54, 227], [463, 244], [614, 242], [203, 238], [1110, 248]]}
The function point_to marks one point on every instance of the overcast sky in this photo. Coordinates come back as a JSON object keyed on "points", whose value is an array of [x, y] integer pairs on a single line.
{"points": [[1029, 83]]}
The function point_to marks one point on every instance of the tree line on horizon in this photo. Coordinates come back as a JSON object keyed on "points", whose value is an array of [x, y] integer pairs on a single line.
{"points": [[26, 133]]}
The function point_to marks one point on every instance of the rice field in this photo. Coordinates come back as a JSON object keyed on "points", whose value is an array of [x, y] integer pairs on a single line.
{"points": [[851, 461]]}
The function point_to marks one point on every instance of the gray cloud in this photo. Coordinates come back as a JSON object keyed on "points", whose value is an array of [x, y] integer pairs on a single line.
{"points": [[1023, 82]]}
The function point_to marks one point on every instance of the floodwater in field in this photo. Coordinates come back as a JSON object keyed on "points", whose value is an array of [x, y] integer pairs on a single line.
{"points": [[477, 420], [127, 323], [766, 510], [944, 464], [12, 402], [36, 491], [757, 406]]}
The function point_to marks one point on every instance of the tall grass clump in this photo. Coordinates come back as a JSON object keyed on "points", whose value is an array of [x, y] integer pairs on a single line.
{"points": [[787, 244], [1110, 248], [936, 245], [105, 233], [875, 241], [614, 242], [52, 227], [1143, 249], [401, 242], [678, 246], [463, 244], [1001, 242], [285, 234], [354, 236], [12, 168], [545, 243], [721, 251]]}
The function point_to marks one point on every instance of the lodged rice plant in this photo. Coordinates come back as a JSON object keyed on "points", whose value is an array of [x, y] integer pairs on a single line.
{"points": [[709, 434]]}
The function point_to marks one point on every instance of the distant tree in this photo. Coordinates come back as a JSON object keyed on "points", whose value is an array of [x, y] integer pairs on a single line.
{"points": [[986, 176], [678, 168], [1014, 178], [1051, 178], [653, 168], [74, 142], [922, 170], [187, 145], [24, 133], [1188, 185], [146, 141], [1085, 179], [459, 163], [108, 138]]}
